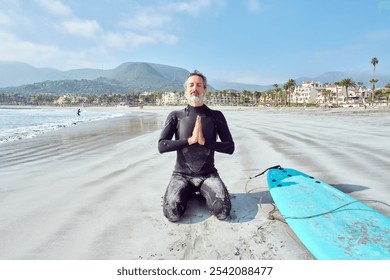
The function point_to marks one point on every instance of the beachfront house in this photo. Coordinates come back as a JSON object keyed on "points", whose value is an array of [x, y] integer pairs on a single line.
{"points": [[172, 98], [307, 93], [70, 99], [337, 94], [224, 97]]}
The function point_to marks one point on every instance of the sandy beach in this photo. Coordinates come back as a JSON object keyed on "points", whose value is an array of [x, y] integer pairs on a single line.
{"points": [[94, 191]]}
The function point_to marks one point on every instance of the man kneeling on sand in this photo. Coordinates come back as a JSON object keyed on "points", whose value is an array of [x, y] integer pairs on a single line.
{"points": [[196, 128]]}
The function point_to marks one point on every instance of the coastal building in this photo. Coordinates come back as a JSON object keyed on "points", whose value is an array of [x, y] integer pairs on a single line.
{"points": [[337, 94], [70, 99], [327, 94], [172, 98], [307, 93], [228, 97], [231, 97]]}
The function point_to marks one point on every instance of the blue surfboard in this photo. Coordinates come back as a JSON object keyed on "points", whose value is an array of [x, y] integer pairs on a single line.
{"points": [[331, 224]]}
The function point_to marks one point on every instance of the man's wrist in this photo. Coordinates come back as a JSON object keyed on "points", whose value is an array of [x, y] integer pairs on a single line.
{"points": [[190, 141]]}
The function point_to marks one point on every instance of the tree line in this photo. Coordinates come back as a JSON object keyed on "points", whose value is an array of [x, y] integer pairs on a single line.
{"points": [[278, 96]]}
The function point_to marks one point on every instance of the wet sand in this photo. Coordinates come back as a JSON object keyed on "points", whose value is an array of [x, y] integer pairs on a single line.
{"points": [[94, 191]]}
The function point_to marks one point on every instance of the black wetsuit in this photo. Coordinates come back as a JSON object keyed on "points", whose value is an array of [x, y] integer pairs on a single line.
{"points": [[195, 170]]}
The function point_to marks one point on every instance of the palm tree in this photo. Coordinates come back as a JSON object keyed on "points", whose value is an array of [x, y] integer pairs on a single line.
{"points": [[326, 93], [373, 82], [347, 83], [269, 97], [374, 62], [288, 87], [276, 86], [285, 87], [337, 84], [257, 95]]}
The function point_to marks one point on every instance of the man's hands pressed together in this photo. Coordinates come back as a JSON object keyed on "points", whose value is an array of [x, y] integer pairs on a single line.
{"points": [[197, 133]]}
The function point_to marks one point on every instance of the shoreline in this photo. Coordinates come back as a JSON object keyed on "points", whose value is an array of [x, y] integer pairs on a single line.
{"points": [[162, 111], [18, 126], [224, 107]]}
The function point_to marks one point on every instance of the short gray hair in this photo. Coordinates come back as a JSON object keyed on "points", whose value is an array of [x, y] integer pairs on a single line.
{"points": [[196, 73]]}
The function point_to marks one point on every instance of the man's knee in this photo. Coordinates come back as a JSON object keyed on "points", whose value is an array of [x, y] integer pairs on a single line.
{"points": [[173, 212], [221, 209], [175, 198]]}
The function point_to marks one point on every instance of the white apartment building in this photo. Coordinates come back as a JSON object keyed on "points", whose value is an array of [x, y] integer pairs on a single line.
{"points": [[307, 92], [172, 98], [313, 92]]}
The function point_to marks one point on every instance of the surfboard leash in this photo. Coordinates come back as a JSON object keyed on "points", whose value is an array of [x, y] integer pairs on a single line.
{"points": [[272, 167], [335, 210], [261, 173], [271, 214]]}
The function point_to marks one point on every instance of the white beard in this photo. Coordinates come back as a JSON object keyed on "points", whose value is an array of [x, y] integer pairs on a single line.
{"points": [[196, 99]]}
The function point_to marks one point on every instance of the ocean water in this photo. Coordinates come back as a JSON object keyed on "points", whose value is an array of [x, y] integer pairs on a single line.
{"points": [[20, 123]]}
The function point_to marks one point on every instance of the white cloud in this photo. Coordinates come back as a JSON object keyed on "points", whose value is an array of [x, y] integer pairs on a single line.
{"points": [[55, 7], [128, 40], [4, 19], [82, 28], [145, 20], [151, 25], [131, 40], [12, 48], [255, 6], [191, 7]]}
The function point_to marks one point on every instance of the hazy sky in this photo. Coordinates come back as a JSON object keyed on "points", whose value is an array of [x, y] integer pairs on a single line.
{"points": [[250, 41]]}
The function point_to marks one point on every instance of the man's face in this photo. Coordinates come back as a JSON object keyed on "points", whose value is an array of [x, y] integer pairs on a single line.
{"points": [[195, 90]]}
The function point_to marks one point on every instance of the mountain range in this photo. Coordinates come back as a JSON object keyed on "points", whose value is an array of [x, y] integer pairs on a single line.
{"points": [[17, 77], [22, 78]]}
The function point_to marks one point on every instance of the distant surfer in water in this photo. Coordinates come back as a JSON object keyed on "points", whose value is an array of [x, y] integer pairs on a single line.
{"points": [[196, 128], [78, 112]]}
